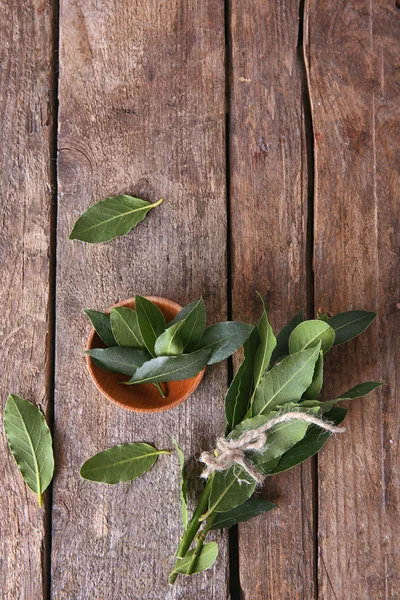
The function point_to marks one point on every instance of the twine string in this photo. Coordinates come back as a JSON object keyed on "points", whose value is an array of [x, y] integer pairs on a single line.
{"points": [[229, 452]]}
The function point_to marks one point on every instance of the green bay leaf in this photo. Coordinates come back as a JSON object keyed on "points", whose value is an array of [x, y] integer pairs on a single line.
{"points": [[267, 346], [101, 323], [206, 559], [169, 343], [348, 325], [362, 389], [194, 317], [119, 359], [125, 327], [184, 508], [171, 368], [151, 322], [223, 339], [253, 507], [229, 489], [111, 218], [309, 334], [318, 379], [29, 440]]}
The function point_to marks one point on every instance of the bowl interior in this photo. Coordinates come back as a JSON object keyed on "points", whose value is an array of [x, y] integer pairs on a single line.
{"points": [[141, 397]]}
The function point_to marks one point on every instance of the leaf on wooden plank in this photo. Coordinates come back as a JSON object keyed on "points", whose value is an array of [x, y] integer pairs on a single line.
{"points": [[348, 325], [151, 322], [194, 317], [185, 514], [119, 359], [312, 442], [229, 489], [253, 507], [29, 439], [101, 323], [362, 389], [223, 339], [206, 559], [286, 381], [266, 347], [169, 343], [171, 368], [318, 379], [282, 340], [121, 463], [125, 327], [309, 333], [111, 218], [238, 396]]}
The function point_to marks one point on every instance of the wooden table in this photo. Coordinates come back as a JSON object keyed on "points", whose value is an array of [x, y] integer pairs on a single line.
{"points": [[272, 130]]}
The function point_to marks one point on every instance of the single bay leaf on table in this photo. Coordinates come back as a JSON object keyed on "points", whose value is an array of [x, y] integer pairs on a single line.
{"points": [[318, 379], [101, 323], [229, 489], [151, 322], [194, 317], [348, 325], [121, 463], [125, 327], [309, 333], [185, 513], [223, 339], [253, 507], [266, 347], [286, 381], [169, 343], [119, 359], [282, 340], [238, 396], [171, 368], [110, 218], [206, 559], [29, 440]]}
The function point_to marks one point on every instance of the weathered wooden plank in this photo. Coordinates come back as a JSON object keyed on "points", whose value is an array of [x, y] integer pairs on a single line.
{"points": [[25, 198], [268, 199], [353, 62], [142, 110]]}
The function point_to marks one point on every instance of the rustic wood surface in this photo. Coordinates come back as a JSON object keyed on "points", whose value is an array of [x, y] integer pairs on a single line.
{"points": [[26, 131], [297, 197]]}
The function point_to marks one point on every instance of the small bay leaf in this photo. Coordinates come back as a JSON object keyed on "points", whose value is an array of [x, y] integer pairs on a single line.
{"points": [[110, 218], [206, 559], [348, 325], [119, 359], [125, 327], [267, 346], [29, 439], [194, 317], [151, 322], [101, 323], [171, 368], [121, 463], [229, 489], [362, 389], [318, 379], [169, 343], [223, 339], [309, 333], [253, 507]]}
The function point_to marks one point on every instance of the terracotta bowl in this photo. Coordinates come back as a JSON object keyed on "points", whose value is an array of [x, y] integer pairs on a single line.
{"points": [[143, 398]]}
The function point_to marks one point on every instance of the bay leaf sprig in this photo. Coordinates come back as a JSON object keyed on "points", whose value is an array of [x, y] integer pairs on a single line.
{"points": [[29, 439], [139, 342], [111, 218]]}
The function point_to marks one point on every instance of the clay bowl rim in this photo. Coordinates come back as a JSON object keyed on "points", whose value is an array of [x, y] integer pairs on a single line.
{"points": [[196, 380]]}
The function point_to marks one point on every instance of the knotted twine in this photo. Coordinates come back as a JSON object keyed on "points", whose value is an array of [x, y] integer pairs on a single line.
{"points": [[230, 452]]}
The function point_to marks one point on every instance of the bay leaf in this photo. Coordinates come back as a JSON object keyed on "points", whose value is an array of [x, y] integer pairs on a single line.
{"points": [[223, 339], [111, 218], [348, 325], [309, 333], [125, 327], [253, 507], [171, 368], [169, 343], [286, 381], [318, 379], [282, 340], [29, 439], [194, 317], [119, 359], [206, 559], [151, 322], [184, 508], [101, 323], [362, 389], [266, 347], [229, 489], [124, 462]]}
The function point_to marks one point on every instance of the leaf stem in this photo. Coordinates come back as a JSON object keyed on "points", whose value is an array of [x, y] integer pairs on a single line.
{"points": [[40, 499], [158, 386], [200, 541]]}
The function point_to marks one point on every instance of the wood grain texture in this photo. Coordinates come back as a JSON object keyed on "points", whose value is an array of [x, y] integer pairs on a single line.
{"points": [[353, 63], [25, 199], [268, 200], [142, 110]]}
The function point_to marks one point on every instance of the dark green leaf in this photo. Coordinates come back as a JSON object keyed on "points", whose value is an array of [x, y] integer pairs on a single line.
{"points": [[171, 368], [206, 559], [119, 359], [253, 507], [194, 317], [185, 514], [309, 333], [229, 489], [318, 379], [223, 339], [102, 325], [151, 322], [240, 391], [169, 343], [285, 382], [121, 463], [362, 389], [125, 327], [267, 345], [110, 218], [29, 440], [310, 444], [282, 340], [348, 325]]}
